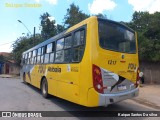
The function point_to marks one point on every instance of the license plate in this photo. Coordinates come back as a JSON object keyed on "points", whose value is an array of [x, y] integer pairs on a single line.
{"points": [[121, 87]]}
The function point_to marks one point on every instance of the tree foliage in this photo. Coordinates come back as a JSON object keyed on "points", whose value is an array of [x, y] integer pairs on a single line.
{"points": [[2, 58], [74, 15], [22, 44], [147, 27], [49, 27]]}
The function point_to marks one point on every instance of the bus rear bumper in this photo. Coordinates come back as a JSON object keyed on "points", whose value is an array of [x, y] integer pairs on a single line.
{"points": [[106, 99]]}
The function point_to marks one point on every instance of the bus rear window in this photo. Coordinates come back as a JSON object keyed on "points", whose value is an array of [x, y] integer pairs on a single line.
{"points": [[116, 37]]}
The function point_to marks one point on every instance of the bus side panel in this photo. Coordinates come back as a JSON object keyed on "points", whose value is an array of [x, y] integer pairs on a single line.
{"points": [[27, 70], [52, 86], [86, 81], [93, 98], [52, 78], [34, 80], [35, 75], [27, 78], [68, 92], [68, 82]]}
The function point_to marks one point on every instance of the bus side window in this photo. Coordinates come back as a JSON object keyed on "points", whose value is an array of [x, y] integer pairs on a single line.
{"points": [[29, 57], [67, 49], [23, 59], [46, 58], [51, 57], [59, 51], [43, 50], [42, 58], [68, 42], [23, 56], [39, 55], [26, 58], [42, 54], [78, 45], [47, 51], [49, 48], [34, 56], [60, 44]]}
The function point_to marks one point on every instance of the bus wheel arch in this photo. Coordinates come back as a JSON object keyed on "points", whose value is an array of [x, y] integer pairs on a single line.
{"points": [[44, 87]]}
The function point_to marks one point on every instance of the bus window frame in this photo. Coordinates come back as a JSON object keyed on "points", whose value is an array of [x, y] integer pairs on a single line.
{"points": [[121, 25], [39, 51], [64, 49], [84, 44], [52, 52], [26, 58], [35, 56]]}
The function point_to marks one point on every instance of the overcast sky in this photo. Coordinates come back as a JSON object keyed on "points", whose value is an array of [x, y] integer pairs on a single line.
{"points": [[13, 10]]}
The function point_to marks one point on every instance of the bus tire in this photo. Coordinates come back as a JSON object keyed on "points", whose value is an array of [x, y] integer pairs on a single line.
{"points": [[24, 78], [44, 88]]}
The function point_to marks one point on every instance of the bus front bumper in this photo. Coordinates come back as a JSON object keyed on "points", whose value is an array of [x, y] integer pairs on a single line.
{"points": [[106, 99]]}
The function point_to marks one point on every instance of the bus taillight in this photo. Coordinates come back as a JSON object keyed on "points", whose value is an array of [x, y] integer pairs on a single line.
{"points": [[97, 79], [138, 79]]}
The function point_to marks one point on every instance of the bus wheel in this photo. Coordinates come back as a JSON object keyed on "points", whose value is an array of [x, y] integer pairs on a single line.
{"points": [[44, 88], [24, 78]]}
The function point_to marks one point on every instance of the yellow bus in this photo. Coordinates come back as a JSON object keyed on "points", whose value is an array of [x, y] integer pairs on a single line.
{"points": [[94, 63]]}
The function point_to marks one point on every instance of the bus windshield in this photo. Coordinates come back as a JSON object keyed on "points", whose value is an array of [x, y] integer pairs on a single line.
{"points": [[116, 37]]}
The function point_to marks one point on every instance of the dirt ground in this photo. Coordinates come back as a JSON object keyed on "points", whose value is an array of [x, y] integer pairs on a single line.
{"points": [[149, 95]]}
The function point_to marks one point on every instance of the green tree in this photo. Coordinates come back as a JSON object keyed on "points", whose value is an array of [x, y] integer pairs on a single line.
{"points": [[2, 58], [147, 27], [49, 27], [74, 15], [59, 28], [22, 44]]}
